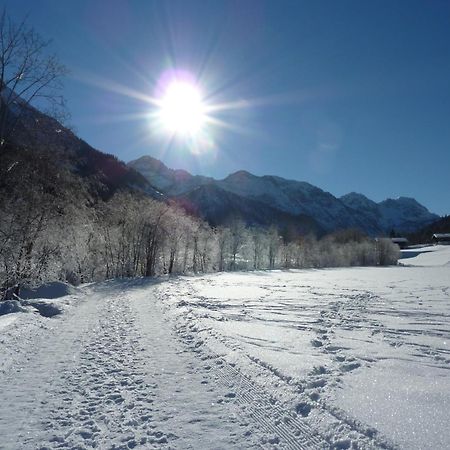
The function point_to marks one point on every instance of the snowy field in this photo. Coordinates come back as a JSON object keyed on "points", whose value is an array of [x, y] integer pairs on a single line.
{"points": [[331, 358]]}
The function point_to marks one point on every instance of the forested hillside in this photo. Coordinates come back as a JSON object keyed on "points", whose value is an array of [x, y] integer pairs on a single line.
{"points": [[425, 234]]}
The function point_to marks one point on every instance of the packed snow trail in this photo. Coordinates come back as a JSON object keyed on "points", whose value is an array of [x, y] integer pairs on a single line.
{"points": [[112, 374]]}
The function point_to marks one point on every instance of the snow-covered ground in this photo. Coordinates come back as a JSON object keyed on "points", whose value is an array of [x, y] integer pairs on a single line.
{"points": [[332, 358]]}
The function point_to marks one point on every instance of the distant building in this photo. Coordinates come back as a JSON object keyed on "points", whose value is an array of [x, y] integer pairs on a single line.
{"points": [[400, 241], [441, 238]]}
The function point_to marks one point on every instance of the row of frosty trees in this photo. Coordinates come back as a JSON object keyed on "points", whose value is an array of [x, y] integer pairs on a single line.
{"points": [[144, 237], [51, 229]]}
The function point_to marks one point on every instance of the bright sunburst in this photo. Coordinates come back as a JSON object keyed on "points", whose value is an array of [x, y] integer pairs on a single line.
{"points": [[181, 109]]}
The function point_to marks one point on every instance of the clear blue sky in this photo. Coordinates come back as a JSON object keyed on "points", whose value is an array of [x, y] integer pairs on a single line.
{"points": [[347, 95]]}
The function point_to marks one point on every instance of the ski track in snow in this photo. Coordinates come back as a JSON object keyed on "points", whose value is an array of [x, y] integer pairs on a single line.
{"points": [[285, 429]]}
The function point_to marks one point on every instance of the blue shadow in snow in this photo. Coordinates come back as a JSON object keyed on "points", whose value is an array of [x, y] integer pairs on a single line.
{"points": [[412, 254]]}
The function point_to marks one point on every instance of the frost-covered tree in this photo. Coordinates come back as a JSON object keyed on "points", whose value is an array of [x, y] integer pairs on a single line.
{"points": [[387, 252], [176, 228], [258, 246], [274, 242], [223, 246], [37, 200], [238, 238]]}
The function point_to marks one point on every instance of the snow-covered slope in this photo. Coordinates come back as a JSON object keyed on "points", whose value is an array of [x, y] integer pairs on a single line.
{"points": [[169, 181], [293, 198], [402, 214], [219, 206], [432, 256]]}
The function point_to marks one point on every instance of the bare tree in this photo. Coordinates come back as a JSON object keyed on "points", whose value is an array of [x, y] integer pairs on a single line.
{"points": [[238, 237], [223, 243], [29, 76]]}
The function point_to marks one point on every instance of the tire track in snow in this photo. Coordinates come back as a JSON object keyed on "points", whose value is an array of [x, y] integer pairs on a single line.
{"points": [[287, 430], [296, 434]]}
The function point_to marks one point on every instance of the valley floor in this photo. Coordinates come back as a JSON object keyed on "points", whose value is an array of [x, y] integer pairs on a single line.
{"points": [[336, 358]]}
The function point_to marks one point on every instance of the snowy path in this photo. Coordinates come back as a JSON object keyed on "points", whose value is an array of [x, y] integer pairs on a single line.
{"points": [[111, 373], [101, 378]]}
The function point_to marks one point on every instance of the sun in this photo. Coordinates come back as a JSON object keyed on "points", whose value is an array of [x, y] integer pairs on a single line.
{"points": [[181, 109]]}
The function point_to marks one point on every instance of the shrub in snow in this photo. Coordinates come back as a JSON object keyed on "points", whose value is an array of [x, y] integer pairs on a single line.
{"points": [[388, 253]]}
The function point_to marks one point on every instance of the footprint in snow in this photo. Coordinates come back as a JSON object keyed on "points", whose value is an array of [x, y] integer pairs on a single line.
{"points": [[303, 409], [350, 366], [316, 343]]}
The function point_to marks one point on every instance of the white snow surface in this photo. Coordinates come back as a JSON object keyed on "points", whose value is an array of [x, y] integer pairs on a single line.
{"points": [[331, 358]]}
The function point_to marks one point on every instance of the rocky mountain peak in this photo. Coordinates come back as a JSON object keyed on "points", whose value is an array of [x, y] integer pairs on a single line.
{"points": [[290, 197]]}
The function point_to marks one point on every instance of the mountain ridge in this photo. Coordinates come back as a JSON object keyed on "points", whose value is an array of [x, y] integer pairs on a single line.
{"points": [[296, 198]]}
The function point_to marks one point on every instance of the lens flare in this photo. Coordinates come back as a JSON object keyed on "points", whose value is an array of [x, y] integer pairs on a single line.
{"points": [[181, 109], [178, 113]]}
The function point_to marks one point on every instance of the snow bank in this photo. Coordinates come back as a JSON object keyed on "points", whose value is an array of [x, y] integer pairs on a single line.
{"points": [[45, 306], [431, 256], [11, 306], [52, 290]]}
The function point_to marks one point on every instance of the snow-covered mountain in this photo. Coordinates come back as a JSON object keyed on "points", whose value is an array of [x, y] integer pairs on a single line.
{"points": [[293, 197], [219, 206], [401, 214], [405, 213], [171, 182], [211, 199]]}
